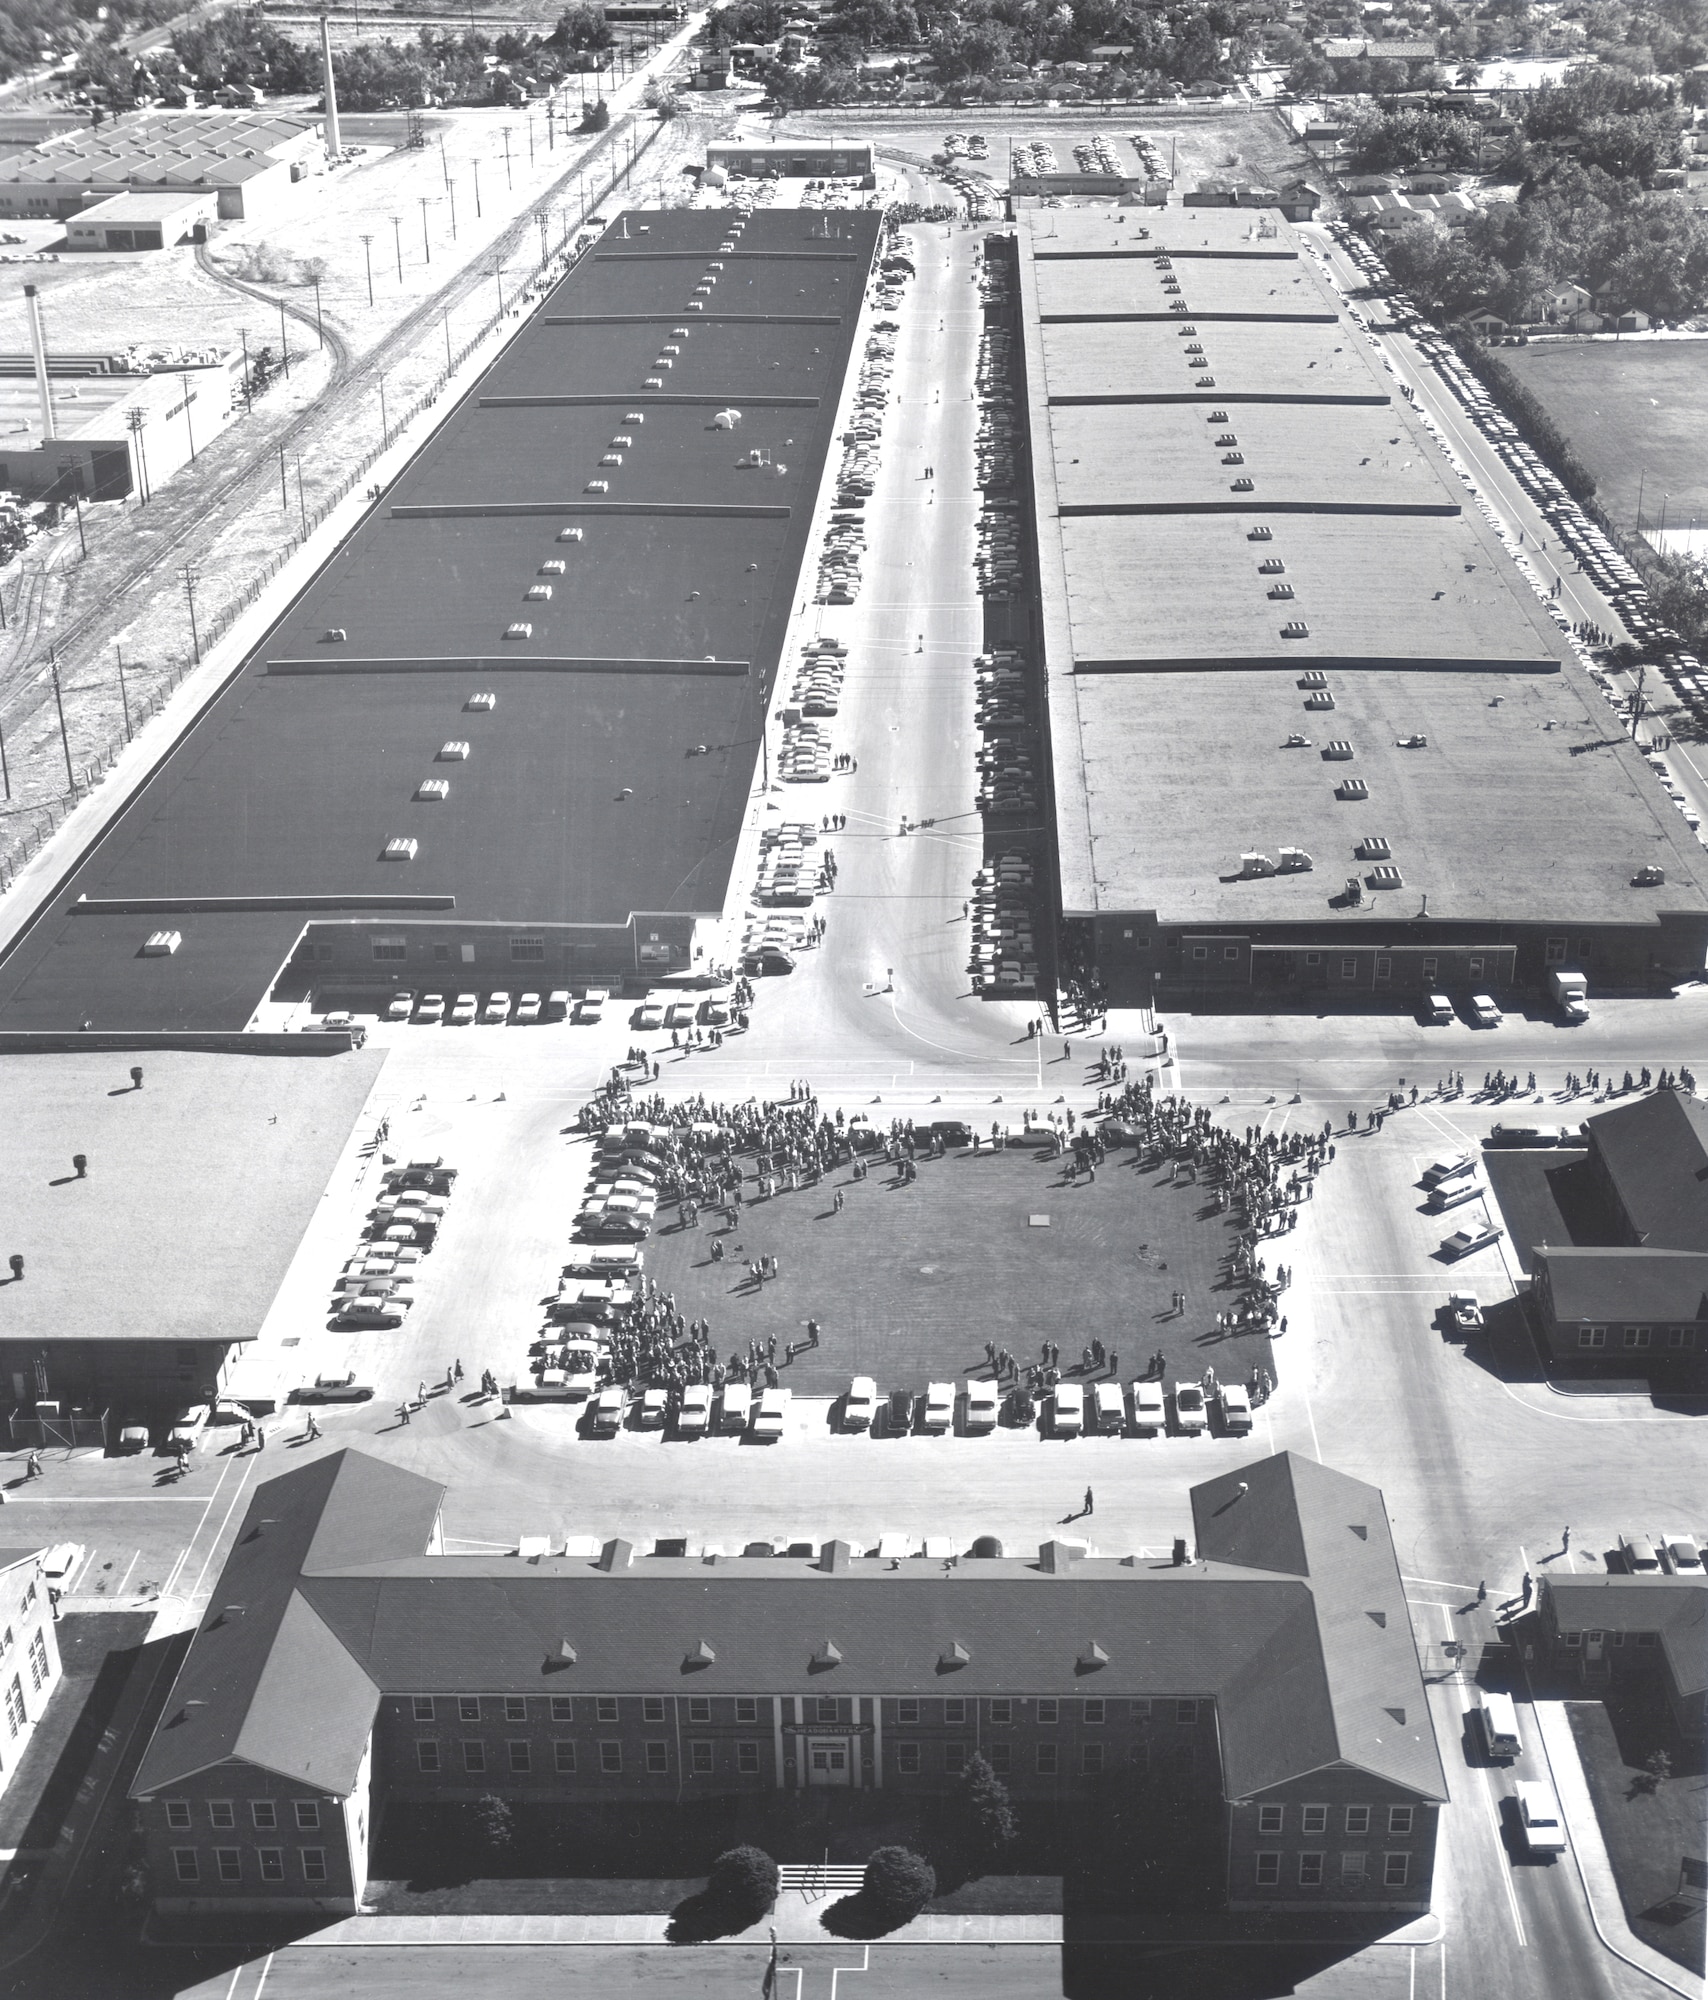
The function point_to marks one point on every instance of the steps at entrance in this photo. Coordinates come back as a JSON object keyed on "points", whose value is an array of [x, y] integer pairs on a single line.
{"points": [[818, 1880]]}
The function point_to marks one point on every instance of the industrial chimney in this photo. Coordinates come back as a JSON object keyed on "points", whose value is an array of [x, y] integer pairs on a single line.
{"points": [[334, 145], [33, 306]]}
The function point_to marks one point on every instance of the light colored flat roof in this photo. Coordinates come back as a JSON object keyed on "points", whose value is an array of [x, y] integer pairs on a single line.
{"points": [[1174, 681], [142, 205]]}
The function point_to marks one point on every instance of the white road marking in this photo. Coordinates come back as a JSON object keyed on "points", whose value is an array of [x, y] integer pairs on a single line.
{"points": [[837, 1971], [123, 1580]]}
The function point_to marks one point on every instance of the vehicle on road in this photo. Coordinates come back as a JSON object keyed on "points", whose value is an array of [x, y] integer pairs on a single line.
{"points": [[1539, 1817], [371, 1312], [1484, 1012], [939, 1408], [188, 1425], [860, 1405], [1067, 1410], [1437, 1010], [608, 1410], [768, 959], [133, 1437], [1529, 1135], [984, 1402], [1463, 1242], [557, 1004], [898, 1413], [1497, 1724], [1150, 1409], [333, 1389], [769, 1416], [1570, 993], [649, 1014], [681, 1014], [694, 1411], [1190, 1415], [1466, 1313]]}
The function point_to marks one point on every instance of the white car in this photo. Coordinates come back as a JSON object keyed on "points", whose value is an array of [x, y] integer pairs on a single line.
{"points": [[1190, 1415], [401, 1007], [1683, 1553], [694, 1412], [768, 1417], [63, 1561], [860, 1405], [984, 1401], [1150, 1411], [653, 1409], [1111, 1408], [1466, 1311], [527, 1010], [736, 1404], [650, 1014], [1464, 1241], [1484, 1012], [497, 1007], [1067, 1410], [681, 1014], [610, 1406], [1234, 1407], [464, 1012], [1539, 1817], [591, 1006], [939, 1408], [431, 1009]]}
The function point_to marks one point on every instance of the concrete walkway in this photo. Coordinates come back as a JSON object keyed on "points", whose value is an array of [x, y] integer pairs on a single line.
{"points": [[796, 1920], [1590, 1852]]}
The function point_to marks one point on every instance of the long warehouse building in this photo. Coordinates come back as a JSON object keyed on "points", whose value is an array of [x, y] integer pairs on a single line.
{"points": [[1313, 730], [506, 736]]}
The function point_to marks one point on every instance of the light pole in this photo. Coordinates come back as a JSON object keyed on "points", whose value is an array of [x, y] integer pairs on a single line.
{"points": [[449, 363], [451, 190], [530, 117], [189, 575], [64, 738], [302, 504], [368, 261], [498, 278], [477, 209], [397, 240]]}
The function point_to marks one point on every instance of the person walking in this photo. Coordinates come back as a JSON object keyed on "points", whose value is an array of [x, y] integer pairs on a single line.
{"points": [[1089, 1502], [313, 1427], [403, 1412], [1565, 1541], [33, 1466]]}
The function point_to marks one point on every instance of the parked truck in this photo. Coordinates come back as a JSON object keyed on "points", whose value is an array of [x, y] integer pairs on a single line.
{"points": [[1570, 990]]}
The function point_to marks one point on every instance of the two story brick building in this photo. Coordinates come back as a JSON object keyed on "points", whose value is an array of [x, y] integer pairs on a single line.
{"points": [[29, 1652], [346, 1664]]}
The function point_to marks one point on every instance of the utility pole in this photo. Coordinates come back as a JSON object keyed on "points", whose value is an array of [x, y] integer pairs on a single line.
{"points": [[319, 330], [368, 260], [189, 425], [449, 363], [451, 189], [5, 768], [284, 340], [124, 692], [498, 278], [426, 201], [189, 575], [302, 504], [477, 209], [505, 129], [385, 427], [248, 405], [284, 489], [530, 138], [397, 239], [64, 738], [82, 541]]}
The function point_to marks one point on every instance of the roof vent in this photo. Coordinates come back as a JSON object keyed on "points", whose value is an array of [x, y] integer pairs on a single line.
{"points": [[1385, 877], [401, 848], [828, 1655], [1178, 305], [1252, 866], [1374, 847], [836, 1557], [1260, 534], [1314, 679], [538, 593], [1187, 330], [1056, 1558], [569, 534], [639, 416], [1271, 566], [554, 568], [1217, 417], [954, 1658], [1296, 628], [1233, 458], [1295, 861], [1338, 751], [1352, 789], [1648, 877], [454, 752], [334, 635], [699, 1655], [434, 790], [1091, 1659], [518, 628], [1321, 699], [616, 1555], [161, 944], [567, 1653], [484, 703]]}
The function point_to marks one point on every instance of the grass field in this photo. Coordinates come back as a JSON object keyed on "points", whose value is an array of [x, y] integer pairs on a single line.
{"points": [[910, 1280], [1637, 411]]}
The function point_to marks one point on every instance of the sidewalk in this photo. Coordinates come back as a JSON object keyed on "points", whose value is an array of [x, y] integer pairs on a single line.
{"points": [[1601, 1891]]}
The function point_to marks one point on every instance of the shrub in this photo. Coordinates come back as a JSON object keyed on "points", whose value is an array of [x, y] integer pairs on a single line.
{"points": [[744, 1882], [988, 1813], [496, 1819], [898, 1884]]}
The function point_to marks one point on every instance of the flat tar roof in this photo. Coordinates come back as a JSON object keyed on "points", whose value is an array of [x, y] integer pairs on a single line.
{"points": [[583, 797], [1183, 609]]}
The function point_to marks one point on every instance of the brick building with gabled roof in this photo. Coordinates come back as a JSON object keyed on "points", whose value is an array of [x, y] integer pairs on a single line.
{"points": [[345, 1665]]}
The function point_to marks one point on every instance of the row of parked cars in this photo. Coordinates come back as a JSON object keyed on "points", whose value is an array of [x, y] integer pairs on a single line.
{"points": [[500, 1009], [1668, 1553], [1072, 1409], [376, 1287]]}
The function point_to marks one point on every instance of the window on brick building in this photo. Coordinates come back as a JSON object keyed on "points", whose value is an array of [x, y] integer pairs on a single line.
{"points": [[1395, 1868], [907, 1710], [563, 1755], [700, 1759], [272, 1860], [221, 1812], [1310, 1871], [747, 1708], [1090, 1759], [314, 1864], [517, 1750], [185, 1863], [827, 1709], [610, 1758], [421, 1707], [652, 1708], [468, 1708], [955, 1711], [474, 1754], [1186, 1711], [515, 1708], [308, 1814], [657, 1758], [229, 1862], [699, 1708], [1000, 1757], [563, 1708], [1399, 1819], [1094, 1710], [1271, 1819], [607, 1708], [747, 1759], [1358, 1819], [1001, 1709], [1048, 1760], [954, 1759], [907, 1759], [1313, 1819], [1049, 1709], [426, 1754], [264, 1813], [1268, 1870]]}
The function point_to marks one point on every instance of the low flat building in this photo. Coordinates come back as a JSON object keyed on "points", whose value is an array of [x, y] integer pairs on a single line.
{"points": [[1310, 724], [777, 159], [143, 221], [348, 1668], [248, 162], [115, 435]]}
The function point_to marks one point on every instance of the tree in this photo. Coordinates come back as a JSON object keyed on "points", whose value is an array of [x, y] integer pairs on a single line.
{"points": [[744, 1883], [988, 1813], [898, 1884], [582, 28], [495, 1818], [597, 116]]}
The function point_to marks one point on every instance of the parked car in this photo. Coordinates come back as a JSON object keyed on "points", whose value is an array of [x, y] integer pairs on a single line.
{"points": [[652, 1409], [984, 1401], [608, 1410], [591, 1006], [694, 1411], [681, 1014], [898, 1412], [372, 1312], [736, 1406], [1233, 1406], [649, 1014], [188, 1425], [1467, 1314], [497, 1007], [431, 1011], [464, 1011], [1639, 1553], [1683, 1554], [939, 1408], [527, 1010], [1067, 1410], [1464, 1241], [1454, 1195], [860, 1404], [1484, 1012], [333, 1389], [402, 1005], [1190, 1414], [1529, 1135], [133, 1437], [1110, 1408], [768, 1418], [63, 1561], [1150, 1410]]}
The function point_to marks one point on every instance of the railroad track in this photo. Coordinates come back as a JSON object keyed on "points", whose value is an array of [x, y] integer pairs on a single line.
{"points": [[27, 690]]}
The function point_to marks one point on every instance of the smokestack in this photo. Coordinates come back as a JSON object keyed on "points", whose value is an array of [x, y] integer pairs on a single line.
{"points": [[33, 306], [334, 145]]}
